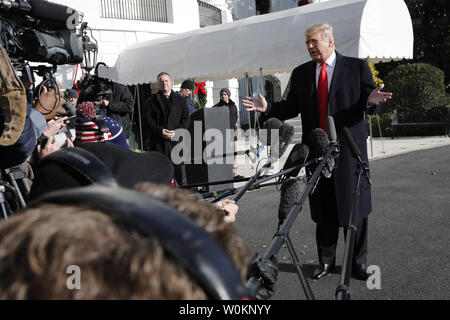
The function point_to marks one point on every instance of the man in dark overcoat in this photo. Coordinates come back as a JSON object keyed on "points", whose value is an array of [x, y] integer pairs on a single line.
{"points": [[343, 87], [165, 111], [120, 106]]}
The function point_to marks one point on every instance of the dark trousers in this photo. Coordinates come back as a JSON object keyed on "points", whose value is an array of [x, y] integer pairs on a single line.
{"points": [[327, 234]]}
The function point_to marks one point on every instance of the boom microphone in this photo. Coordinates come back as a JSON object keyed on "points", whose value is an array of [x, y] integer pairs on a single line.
{"points": [[296, 157], [290, 192]]}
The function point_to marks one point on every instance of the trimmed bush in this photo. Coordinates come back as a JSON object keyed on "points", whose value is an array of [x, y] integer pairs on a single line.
{"points": [[415, 85]]}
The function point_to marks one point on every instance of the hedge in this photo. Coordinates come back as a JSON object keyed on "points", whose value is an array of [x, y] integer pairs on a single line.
{"points": [[415, 85]]}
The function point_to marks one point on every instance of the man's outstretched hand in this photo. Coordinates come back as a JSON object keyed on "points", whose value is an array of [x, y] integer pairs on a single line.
{"points": [[255, 104], [377, 96]]}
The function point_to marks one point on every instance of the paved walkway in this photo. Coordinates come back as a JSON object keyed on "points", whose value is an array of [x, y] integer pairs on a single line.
{"points": [[387, 147]]}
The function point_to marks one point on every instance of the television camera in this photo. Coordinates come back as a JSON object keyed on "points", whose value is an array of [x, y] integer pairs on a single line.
{"points": [[39, 31], [38, 36]]}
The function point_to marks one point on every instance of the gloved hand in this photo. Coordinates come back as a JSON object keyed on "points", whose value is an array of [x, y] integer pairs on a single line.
{"points": [[267, 270]]}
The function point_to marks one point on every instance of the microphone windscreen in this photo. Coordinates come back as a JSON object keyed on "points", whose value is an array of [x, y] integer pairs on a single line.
{"points": [[354, 149], [265, 135], [297, 156], [286, 134], [290, 193], [332, 136], [319, 143]]}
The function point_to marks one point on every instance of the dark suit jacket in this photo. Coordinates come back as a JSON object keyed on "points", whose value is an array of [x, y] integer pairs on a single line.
{"points": [[350, 87], [121, 106], [156, 118]]}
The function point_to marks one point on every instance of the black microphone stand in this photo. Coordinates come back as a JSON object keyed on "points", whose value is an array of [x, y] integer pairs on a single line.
{"points": [[282, 235], [253, 179], [219, 195], [343, 290]]}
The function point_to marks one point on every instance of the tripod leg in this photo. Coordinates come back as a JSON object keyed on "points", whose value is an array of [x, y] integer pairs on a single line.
{"points": [[26, 187], [4, 211], [2, 203], [305, 284], [16, 187]]}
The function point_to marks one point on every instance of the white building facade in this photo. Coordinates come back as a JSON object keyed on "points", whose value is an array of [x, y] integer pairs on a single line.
{"points": [[116, 24]]}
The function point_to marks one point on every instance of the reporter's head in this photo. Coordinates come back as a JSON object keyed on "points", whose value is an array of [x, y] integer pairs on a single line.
{"points": [[39, 245]]}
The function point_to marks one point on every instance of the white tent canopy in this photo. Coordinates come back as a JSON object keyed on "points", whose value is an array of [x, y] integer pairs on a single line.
{"points": [[378, 30]]}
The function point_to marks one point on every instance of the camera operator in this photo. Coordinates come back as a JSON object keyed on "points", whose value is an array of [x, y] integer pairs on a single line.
{"points": [[119, 106], [71, 97], [20, 123]]}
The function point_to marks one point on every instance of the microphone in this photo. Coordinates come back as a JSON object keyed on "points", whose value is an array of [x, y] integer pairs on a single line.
{"points": [[356, 152], [296, 157], [290, 193], [265, 137], [269, 125], [286, 133], [321, 146], [332, 135], [319, 143], [272, 123], [354, 149]]}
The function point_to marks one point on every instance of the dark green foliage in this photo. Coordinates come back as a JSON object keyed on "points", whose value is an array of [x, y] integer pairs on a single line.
{"points": [[415, 85], [201, 100]]}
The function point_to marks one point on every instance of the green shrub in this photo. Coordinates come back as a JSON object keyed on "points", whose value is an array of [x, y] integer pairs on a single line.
{"points": [[415, 85]]}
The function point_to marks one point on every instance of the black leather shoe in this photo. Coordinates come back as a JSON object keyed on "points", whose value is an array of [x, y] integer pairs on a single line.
{"points": [[324, 271], [360, 272]]}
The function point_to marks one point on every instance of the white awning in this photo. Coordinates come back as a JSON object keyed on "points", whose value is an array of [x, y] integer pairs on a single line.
{"points": [[378, 30]]}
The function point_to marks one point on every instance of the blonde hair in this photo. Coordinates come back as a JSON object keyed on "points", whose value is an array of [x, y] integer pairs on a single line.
{"points": [[325, 29]]}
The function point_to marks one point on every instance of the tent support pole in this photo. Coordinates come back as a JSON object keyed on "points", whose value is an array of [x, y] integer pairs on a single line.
{"points": [[370, 127], [140, 117]]}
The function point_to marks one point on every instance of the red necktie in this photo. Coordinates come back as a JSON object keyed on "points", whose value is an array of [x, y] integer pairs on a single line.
{"points": [[322, 96]]}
